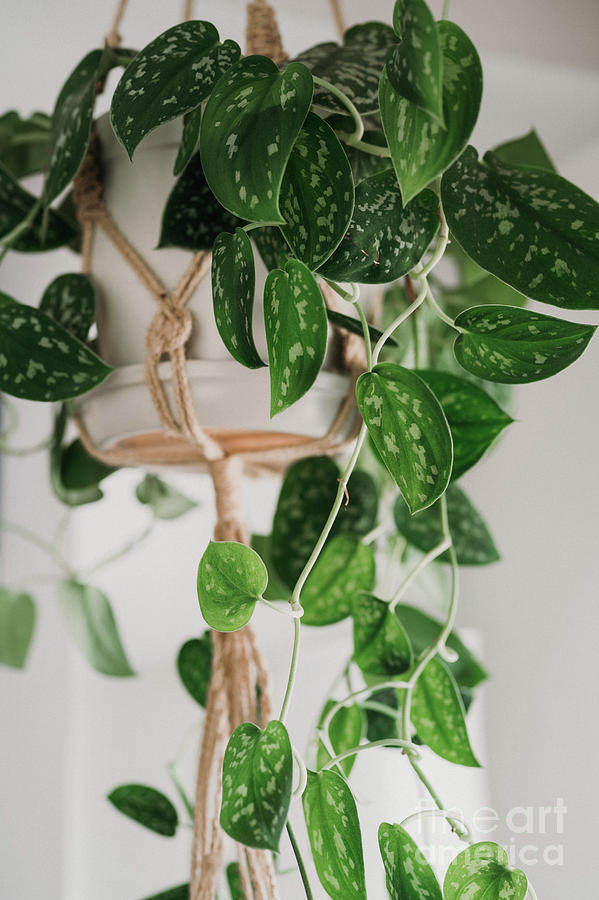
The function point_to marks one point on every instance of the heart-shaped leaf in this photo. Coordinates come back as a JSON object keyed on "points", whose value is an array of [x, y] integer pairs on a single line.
{"points": [[528, 226], [517, 346], [146, 805], [71, 301], [185, 63], [254, 113], [482, 872], [438, 714], [317, 193], [16, 205], [527, 150], [295, 318], [40, 360], [189, 139], [233, 286], [91, 623], [414, 66], [420, 148], [257, 778], [335, 837], [194, 665], [408, 873], [381, 645], [409, 430], [231, 580], [17, 621], [75, 476], [165, 501], [384, 239], [344, 569], [345, 732]]}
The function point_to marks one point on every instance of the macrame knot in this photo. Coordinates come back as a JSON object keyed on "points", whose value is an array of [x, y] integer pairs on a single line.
{"points": [[169, 329], [262, 32], [87, 184]]}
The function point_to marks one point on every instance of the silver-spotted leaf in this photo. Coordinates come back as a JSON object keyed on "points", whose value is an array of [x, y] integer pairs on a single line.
{"points": [[528, 226], [40, 360], [71, 301], [295, 318], [172, 75], [438, 714], [482, 872], [517, 346], [254, 113], [194, 665], [233, 286], [257, 779], [92, 625], [335, 838], [146, 805], [409, 430], [189, 139], [384, 240], [165, 501], [420, 147], [16, 204], [17, 621], [415, 65], [381, 644], [317, 193], [231, 580], [527, 150], [344, 569], [407, 871], [345, 732]]}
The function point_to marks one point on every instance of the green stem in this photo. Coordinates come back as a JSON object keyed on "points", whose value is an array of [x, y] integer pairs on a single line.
{"points": [[456, 826], [365, 147], [358, 123], [355, 695], [438, 311], [345, 295], [7, 240], [422, 564], [366, 330], [124, 550], [38, 541], [398, 321], [251, 225], [172, 771], [445, 13], [292, 670], [300, 862], [371, 745]]}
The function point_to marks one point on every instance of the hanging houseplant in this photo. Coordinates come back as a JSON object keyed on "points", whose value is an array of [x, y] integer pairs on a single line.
{"points": [[368, 274]]}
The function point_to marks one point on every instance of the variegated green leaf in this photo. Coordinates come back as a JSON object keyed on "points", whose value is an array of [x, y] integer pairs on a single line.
{"points": [[527, 150], [233, 286], [172, 75], [257, 777], [231, 580], [483, 872], [254, 113], [517, 346], [194, 665], [381, 645], [415, 65], [408, 873], [366, 164], [17, 621], [40, 360], [295, 318], [91, 623], [189, 139], [344, 569], [354, 67], [384, 240], [528, 226], [146, 805], [438, 714], [71, 301], [16, 204], [165, 501], [272, 247], [317, 193], [420, 148], [24, 143], [345, 732], [335, 838], [409, 430]]}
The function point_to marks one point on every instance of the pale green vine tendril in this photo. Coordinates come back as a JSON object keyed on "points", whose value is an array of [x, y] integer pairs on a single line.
{"points": [[413, 750], [7, 240], [531, 892], [124, 550], [422, 564], [302, 774], [358, 123], [441, 245], [442, 814], [286, 610], [39, 542], [292, 668], [398, 321], [352, 297], [439, 312], [251, 225], [172, 771], [300, 862], [456, 826], [446, 5], [25, 451], [355, 695]]}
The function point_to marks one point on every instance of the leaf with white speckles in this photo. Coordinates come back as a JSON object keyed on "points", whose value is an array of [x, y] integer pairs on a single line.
{"points": [[354, 66], [528, 226], [335, 837], [15, 205], [482, 872], [345, 732], [92, 625], [420, 148], [40, 360], [231, 580], [146, 805], [517, 346], [172, 75], [384, 239], [344, 569], [257, 777], [71, 301], [17, 621], [254, 113], [408, 873], [527, 150], [381, 644], [475, 419], [295, 318], [233, 285], [415, 65], [189, 139], [438, 715], [409, 430], [317, 193]]}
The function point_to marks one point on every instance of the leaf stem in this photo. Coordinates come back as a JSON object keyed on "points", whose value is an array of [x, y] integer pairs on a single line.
{"points": [[371, 745], [172, 771], [399, 320], [10, 238], [355, 695], [300, 862], [38, 541], [445, 13], [438, 311], [451, 818], [422, 564], [124, 550], [358, 123], [292, 669], [251, 225]]}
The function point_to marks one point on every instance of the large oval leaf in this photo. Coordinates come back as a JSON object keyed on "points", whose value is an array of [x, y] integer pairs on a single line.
{"points": [[530, 227], [381, 645], [194, 665], [408, 874], [71, 301], [414, 66], [257, 779], [420, 148], [254, 113], [482, 872], [409, 430], [17, 621], [91, 623], [295, 318], [146, 805], [517, 346], [317, 193], [15, 205], [185, 63], [384, 239], [335, 837], [233, 286], [344, 569], [231, 580], [345, 732]]}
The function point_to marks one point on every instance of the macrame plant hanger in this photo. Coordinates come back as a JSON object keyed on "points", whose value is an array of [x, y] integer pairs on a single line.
{"points": [[239, 689]]}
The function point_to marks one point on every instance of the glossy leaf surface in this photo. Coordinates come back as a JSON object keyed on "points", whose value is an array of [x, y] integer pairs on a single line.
{"points": [[345, 732], [146, 805], [15, 205], [381, 644], [231, 580], [71, 301], [414, 66], [483, 872], [233, 287], [189, 139], [408, 873], [527, 150], [194, 665], [344, 569]]}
